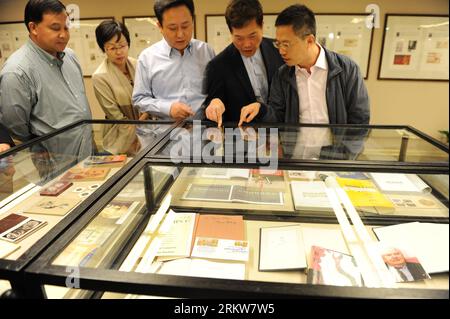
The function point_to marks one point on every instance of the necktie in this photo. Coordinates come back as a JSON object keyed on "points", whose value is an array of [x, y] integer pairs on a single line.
{"points": [[402, 275]]}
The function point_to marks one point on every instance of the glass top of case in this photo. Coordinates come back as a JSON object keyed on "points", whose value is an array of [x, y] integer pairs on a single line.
{"points": [[363, 144], [206, 221], [41, 184]]}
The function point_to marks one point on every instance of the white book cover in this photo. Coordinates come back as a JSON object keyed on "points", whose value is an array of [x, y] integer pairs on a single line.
{"points": [[176, 242], [202, 268], [310, 195], [391, 182], [429, 242], [281, 248]]}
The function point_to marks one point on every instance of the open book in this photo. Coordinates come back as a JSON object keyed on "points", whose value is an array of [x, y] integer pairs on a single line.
{"points": [[232, 193], [281, 248], [429, 242]]}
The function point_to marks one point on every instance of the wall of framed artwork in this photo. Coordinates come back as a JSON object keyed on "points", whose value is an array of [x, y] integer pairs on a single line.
{"points": [[144, 32], [216, 30], [84, 44], [415, 47], [82, 41], [12, 36], [346, 34]]}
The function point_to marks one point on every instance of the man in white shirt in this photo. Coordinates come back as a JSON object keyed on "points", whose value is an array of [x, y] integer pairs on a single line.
{"points": [[316, 85], [169, 75]]}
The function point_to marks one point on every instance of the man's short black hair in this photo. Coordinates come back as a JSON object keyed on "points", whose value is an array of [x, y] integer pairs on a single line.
{"points": [[162, 5], [240, 12], [300, 17], [108, 29], [35, 10]]}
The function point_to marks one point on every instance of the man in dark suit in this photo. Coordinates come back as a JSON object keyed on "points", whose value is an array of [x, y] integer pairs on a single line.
{"points": [[5, 140], [403, 270], [238, 79]]}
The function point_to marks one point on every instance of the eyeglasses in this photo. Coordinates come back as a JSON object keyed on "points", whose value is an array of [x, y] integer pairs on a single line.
{"points": [[286, 45], [117, 48], [282, 45]]}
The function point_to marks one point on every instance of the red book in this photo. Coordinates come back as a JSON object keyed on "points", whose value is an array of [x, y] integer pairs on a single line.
{"points": [[56, 188], [10, 221]]}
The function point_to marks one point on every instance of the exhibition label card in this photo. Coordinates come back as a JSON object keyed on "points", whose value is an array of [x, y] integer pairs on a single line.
{"points": [[224, 249]]}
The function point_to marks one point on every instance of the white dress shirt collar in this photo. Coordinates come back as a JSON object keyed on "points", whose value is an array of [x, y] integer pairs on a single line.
{"points": [[169, 50], [321, 61]]}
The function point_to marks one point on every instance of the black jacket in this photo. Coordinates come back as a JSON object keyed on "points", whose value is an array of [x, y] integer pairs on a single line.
{"points": [[4, 136], [346, 94], [227, 78]]}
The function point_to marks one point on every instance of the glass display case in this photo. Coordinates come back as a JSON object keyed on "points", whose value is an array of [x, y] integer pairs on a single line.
{"points": [[182, 225], [402, 147], [47, 183]]}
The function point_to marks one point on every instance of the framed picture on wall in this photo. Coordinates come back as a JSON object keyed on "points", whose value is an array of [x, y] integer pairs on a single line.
{"points": [[144, 32], [346, 34], [84, 44], [343, 33], [12, 36], [415, 47]]}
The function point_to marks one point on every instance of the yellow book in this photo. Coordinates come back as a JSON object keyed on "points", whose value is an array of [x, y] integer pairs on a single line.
{"points": [[364, 193]]}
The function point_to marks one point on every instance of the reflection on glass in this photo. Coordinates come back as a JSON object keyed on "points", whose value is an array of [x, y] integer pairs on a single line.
{"points": [[316, 143], [120, 139], [304, 142], [49, 179]]}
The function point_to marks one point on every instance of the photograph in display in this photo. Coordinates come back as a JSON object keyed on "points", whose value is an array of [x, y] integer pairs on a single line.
{"points": [[14, 227], [56, 188], [402, 265], [415, 47], [428, 241], [330, 267]]}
